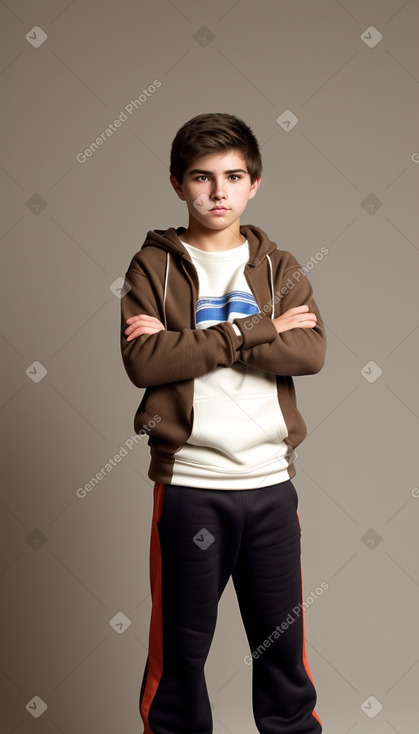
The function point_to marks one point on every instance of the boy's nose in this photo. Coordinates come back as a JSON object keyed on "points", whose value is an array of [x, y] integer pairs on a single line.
{"points": [[219, 192]]}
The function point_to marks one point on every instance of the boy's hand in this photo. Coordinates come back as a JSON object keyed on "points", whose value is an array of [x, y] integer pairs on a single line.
{"points": [[142, 324], [295, 318]]}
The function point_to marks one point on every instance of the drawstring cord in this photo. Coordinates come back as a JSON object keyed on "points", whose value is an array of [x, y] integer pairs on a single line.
{"points": [[165, 287], [272, 286]]}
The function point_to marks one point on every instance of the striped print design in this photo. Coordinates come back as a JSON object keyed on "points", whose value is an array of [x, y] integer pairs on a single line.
{"points": [[213, 309]]}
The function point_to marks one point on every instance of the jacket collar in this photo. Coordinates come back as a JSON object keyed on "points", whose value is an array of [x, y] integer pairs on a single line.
{"points": [[169, 240]]}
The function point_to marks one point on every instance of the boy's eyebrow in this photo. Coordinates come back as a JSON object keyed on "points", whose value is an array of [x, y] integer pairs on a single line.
{"points": [[199, 170]]}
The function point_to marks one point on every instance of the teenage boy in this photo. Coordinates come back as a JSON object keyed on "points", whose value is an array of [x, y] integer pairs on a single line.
{"points": [[215, 322]]}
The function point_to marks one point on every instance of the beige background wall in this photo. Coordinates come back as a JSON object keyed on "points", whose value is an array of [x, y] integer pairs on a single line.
{"points": [[74, 570]]}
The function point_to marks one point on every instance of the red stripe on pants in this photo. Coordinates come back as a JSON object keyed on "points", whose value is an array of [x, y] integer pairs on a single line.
{"points": [[155, 646], [305, 661]]}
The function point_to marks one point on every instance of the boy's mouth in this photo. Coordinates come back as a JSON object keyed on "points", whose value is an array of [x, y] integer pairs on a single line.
{"points": [[219, 209]]}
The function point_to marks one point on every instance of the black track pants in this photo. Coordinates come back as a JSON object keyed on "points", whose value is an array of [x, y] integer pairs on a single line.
{"points": [[199, 538]]}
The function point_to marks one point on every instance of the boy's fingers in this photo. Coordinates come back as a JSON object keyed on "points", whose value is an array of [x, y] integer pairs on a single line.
{"points": [[142, 324], [308, 316], [140, 332], [139, 315], [143, 320], [298, 320], [143, 317], [297, 309]]}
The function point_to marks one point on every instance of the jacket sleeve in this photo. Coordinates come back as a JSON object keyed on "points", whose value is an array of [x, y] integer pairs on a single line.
{"points": [[297, 351], [170, 356]]}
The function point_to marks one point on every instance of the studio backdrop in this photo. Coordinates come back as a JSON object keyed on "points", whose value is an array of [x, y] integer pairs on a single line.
{"points": [[93, 93]]}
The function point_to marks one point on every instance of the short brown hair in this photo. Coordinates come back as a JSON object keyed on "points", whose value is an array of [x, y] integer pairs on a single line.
{"points": [[214, 132]]}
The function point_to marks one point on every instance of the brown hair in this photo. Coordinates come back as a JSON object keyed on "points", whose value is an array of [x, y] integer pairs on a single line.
{"points": [[214, 132]]}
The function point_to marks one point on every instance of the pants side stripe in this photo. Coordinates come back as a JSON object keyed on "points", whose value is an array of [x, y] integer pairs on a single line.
{"points": [[305, 661], [155, 647]]}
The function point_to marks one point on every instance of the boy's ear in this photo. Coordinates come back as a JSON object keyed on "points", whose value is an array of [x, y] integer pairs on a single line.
{"points": [[177, 187], [254, 187]]}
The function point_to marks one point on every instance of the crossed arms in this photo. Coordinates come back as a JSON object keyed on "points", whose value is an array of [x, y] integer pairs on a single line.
{"points": [[298, 317], [293, 343]]}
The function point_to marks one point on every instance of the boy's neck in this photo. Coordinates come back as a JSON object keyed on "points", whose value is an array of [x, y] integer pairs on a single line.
{"points": [[213, 240]]}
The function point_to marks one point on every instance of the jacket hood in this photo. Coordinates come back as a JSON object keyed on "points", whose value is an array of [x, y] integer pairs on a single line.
{"points": [[169, 240]]}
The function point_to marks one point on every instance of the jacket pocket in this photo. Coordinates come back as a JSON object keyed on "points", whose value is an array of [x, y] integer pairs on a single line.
{"points": [[297, 429], [164, 414], [148, 400]]}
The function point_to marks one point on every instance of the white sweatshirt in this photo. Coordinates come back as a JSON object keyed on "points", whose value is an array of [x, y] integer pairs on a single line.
{"points": [[237, 439]]}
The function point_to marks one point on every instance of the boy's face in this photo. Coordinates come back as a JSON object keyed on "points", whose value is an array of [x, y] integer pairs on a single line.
{"points": [[216, 189]]}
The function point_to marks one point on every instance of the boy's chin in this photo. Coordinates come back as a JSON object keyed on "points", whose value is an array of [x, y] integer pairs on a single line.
{"points": [[215, 222], [217, 225]]}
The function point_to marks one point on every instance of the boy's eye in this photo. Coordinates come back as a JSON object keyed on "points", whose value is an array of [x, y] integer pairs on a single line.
{"points": [[203, 177]]}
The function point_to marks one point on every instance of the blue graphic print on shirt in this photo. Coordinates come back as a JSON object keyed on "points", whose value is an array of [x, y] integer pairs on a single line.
{"points": [[225, 308]]}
